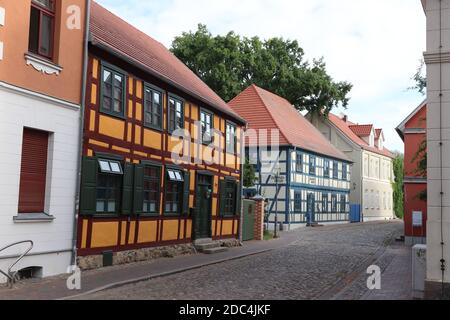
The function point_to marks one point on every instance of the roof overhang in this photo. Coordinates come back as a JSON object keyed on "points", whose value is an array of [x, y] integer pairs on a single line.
{"points": [[140, 66], [401, 127]]}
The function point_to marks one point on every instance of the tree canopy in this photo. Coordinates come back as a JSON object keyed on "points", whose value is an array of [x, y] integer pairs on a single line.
{"points": [[397, 185], [231, 63]]}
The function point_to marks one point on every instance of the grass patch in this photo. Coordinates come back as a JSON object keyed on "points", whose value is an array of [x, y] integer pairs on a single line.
{"points": [[268, 235]]}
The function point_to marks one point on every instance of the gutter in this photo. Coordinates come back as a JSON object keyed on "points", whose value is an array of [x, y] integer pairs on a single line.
{"points": [[81, 133], [138, 65]]}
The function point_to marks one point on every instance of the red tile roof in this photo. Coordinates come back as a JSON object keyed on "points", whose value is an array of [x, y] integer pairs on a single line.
{"points": [[112, 33], [345, 128], [265, 110], [378, 133], [362, 130]]}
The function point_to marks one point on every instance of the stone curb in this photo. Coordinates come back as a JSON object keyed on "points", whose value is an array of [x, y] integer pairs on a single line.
{"points": [[163, 274]]}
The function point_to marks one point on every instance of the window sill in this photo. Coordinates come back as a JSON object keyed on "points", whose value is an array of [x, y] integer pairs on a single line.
{"points": [[113, 114], [33, 218], [42, 65]]}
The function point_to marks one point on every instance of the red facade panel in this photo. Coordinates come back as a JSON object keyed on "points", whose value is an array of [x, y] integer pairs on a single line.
{"points": [[33, 171]]}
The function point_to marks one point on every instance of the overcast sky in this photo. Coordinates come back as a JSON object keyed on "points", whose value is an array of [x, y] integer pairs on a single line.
{"points": [[376, 45]]}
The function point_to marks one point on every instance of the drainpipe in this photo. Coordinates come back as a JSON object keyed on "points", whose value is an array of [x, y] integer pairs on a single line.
{"points": [[442, 262], [81, 133]]}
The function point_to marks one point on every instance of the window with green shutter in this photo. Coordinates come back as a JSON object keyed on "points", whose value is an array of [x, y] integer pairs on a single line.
{"points": [[151, 190], [229, 198]]}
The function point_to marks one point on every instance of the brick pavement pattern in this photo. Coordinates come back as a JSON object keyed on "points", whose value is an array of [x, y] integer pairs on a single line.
{"points": [[315, 265]]}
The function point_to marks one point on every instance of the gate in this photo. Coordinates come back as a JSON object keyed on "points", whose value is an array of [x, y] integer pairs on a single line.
{"points": [[248, 228], [355, 213]]}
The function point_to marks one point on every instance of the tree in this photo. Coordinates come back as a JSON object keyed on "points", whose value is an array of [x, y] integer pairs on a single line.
{"points": [[397, 185], [421, 158], [420, 79], [231, 63], [249, 174]]}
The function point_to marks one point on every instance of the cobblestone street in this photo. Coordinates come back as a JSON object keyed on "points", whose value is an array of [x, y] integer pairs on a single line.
{"points": [[319, 264]]}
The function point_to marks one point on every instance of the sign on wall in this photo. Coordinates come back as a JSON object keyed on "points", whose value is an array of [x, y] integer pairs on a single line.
{"points": [[417, 219]]}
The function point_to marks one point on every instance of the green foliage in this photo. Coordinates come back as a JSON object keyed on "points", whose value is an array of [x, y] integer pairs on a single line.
{"points": [[398, 186], [230, 63], [420, 79], [249, 174], [422, 161]]}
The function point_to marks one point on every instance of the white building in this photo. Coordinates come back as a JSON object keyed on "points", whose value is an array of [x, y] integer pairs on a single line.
{"points": [[372, 170], [40, 101], [437, 59]]}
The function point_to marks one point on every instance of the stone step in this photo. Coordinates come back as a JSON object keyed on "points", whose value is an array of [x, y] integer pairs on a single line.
{"points": [[215, 250], [202, 247], [202, 241]]}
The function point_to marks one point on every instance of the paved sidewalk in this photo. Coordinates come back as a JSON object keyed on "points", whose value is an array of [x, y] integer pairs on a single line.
{"points": [[396, 280], [106, 278]]}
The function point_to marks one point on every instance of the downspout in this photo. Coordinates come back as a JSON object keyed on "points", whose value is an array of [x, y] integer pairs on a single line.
{"points": [[443, 262], [81, 133]]}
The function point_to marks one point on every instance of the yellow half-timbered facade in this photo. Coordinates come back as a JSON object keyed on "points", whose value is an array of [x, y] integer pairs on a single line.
{"points": [[161, 151]]}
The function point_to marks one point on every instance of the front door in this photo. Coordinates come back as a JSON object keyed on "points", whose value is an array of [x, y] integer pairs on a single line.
{"points": [[203, 208], [311, 208]]}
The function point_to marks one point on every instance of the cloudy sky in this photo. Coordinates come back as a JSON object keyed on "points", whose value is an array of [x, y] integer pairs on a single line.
{"points": [[376, 45]]}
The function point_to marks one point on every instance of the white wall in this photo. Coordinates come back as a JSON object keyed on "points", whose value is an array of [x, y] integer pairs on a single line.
{"points": [[20, 109], [438, 123]]}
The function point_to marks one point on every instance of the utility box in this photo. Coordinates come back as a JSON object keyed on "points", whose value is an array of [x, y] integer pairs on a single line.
{"points": [[419, 265]]}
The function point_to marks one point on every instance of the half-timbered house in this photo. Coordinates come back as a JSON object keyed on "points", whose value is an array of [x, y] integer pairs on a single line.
{"points": [[304, 177], [135, 193]]}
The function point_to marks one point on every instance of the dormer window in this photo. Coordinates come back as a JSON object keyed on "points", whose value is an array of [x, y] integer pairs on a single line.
{"points": [[372, 140], [42, 26]]}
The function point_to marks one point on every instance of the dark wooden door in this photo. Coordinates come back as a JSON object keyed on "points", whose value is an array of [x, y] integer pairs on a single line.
{"points": [[204, 207], [311, 208]]}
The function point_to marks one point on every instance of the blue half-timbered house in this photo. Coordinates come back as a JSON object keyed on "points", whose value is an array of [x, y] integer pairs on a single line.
{"points": [[304, 177]]}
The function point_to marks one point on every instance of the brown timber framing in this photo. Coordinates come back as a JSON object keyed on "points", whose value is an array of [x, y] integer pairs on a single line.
{"points": [[126, 229]]}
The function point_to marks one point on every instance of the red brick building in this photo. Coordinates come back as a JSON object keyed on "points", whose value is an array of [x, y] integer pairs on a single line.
{"points": [[413, 132]]}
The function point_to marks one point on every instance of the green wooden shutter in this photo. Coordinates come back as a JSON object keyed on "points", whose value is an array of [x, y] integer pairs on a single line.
{"points": [[238, 198], [186, 193], [222, 196], [127, 189], [138, 192], [88, 194]]}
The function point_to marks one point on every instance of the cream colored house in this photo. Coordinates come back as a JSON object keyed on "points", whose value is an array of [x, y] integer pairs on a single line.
{"points": [[372, 171], [437, 59]]}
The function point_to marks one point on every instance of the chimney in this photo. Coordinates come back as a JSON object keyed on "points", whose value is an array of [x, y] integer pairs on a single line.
{"points": [[344, 117]]}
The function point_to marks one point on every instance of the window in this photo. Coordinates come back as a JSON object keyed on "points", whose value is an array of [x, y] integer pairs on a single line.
{"points": [[326, 168], [33, 173], [176, 114], [343, 203], [230, 198], [325, 202], [312, 165], [152, 177], [109, 185], [299, 162], [174, 192], [231, 138], [42, 25], [335, 170], [297, 202], [344, 172], [206, 120], [113, 92], [334, 203], [152, 108]]}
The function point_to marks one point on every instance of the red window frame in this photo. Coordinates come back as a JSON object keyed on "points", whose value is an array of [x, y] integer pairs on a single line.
{"points": [[50, 13]]}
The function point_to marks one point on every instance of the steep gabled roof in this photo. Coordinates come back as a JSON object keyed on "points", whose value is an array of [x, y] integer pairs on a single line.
{"points": [[345, 128], [401, 127], [362, 130], [265, 110], [378, 133], [111, 33]]}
